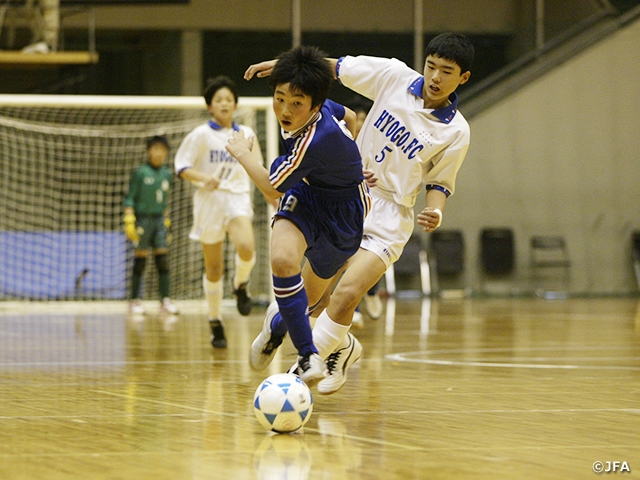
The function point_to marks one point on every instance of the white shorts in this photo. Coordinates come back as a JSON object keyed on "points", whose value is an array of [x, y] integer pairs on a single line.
{"points": [[387, 228], [212, 212]]}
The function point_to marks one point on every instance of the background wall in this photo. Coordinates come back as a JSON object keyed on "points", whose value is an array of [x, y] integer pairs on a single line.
{"points": [[329, 15], [561, 157], [557, 157]]}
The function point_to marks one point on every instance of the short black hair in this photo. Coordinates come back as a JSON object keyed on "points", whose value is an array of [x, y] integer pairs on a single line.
{"points": [[452, 46], [307, 70], [157, 139], [215, 84]]}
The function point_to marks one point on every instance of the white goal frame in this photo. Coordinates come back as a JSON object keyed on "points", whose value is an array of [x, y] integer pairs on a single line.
{"points": [[269, 137]]}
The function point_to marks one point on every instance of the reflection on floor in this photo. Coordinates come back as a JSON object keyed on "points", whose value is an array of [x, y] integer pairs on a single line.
{"points": [[450, 389]]}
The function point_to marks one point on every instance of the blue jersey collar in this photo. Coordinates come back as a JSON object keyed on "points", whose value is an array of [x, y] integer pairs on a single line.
{"points": [[215, 126], [446, 114]]}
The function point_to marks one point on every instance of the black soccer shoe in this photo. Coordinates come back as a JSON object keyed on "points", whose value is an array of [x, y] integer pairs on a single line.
{"points": [[243, 300], [218, 340]]}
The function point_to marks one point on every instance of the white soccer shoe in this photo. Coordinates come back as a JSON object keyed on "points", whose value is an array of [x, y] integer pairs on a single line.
{"points": [[357, 321], [337, 364], [265, 346], [136, 307], [373, 304], [311, 369], [167, 306]]}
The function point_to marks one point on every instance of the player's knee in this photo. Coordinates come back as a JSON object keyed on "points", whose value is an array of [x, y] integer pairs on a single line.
{"points": [[284, 266], [245, 250], [162, 263], [138, 265]]}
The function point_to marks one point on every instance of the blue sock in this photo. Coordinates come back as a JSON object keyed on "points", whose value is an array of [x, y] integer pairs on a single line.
{"points": [[278, 327], [292, 303]]}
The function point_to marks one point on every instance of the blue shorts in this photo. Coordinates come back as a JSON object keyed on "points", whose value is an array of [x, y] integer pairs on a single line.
{"points": [[330, 221]]}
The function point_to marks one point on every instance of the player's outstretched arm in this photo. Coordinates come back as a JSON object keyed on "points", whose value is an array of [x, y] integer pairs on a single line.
{"points": [[263, 69], [260, 70], [240, 148]]}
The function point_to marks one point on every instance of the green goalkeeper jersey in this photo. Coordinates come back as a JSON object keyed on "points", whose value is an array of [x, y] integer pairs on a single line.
{"points": [[148, 190]]}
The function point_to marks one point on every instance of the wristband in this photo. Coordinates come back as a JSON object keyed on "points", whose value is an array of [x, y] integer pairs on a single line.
{"points": [[439, 212]]}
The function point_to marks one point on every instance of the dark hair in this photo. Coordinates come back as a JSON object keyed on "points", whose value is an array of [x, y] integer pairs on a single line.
{"points": [[452, 46], [215, 84], [157, 139], [307, 70]]}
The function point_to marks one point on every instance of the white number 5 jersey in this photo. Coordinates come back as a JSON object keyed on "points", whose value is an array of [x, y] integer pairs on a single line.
{"points": [[404, 144]]}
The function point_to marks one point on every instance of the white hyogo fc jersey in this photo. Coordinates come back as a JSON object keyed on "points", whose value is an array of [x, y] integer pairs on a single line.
{"points": [[404, 144], [204, 149]]}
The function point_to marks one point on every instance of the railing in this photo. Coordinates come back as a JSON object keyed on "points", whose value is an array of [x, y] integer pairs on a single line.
{"points": [[533, 64]]}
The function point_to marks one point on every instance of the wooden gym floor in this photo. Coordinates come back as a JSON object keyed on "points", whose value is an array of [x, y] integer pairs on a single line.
{"points": [[447, 389]]}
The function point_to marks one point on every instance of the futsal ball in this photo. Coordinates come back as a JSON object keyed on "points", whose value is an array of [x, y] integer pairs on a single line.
{"points": [[283, 403]]}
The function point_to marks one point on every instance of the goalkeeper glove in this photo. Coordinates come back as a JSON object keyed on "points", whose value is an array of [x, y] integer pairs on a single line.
{"points": [[130, 229], [167, 225]]}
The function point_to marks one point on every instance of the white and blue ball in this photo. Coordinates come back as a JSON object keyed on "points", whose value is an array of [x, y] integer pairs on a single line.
{"points": [[283, 403]]}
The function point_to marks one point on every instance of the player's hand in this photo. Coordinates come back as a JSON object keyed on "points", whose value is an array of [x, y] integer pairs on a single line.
{"points": [[260, 70], [130, 229], [238, 145], [167, 226], [370, 178], [429, 219], [210, 184]]}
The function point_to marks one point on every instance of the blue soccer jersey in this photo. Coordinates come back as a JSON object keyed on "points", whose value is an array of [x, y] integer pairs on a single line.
{"points": [[325, 192], [322, 153]]}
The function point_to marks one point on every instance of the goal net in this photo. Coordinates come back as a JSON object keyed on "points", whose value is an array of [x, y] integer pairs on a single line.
{"points": [[66, 162]]}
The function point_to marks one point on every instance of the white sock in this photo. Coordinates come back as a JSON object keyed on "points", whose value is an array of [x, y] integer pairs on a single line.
{"points": [[327, 334], [243, 270], [213, 293]]}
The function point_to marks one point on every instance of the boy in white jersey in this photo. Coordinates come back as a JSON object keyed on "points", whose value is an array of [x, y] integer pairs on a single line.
{"points": [[222, 204], [413, 135]]}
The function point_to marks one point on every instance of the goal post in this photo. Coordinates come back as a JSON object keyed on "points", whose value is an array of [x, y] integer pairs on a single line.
{"points": [[66, 161]]}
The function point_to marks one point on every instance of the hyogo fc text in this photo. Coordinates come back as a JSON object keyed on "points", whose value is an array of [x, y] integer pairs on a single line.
{"points": [[611, 467]]}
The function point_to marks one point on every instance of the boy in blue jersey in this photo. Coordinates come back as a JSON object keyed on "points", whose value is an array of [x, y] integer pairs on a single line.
{"points": [[323, 202]]}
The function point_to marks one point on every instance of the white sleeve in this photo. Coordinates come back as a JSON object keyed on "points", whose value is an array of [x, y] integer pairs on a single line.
{"points": [[445, 165], [188, 152], [367, 75]]}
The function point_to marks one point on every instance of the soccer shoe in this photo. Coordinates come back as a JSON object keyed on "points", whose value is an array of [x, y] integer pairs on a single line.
{"points": [[167, 306], [266, 344], [357, 321], [311, 369], [373, 304], [337, 364], [218, 340], [136, 307], [243, 300]]}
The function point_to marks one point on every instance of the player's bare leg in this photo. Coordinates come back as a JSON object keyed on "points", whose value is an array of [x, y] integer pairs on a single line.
{"points": [[364, 270]]}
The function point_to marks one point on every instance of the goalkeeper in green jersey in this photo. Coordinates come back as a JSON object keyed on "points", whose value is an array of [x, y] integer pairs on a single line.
{"points": [[146, 221]]}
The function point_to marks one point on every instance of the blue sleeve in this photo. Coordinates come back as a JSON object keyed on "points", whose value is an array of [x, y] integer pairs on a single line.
{"points": [[336, 109]]}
